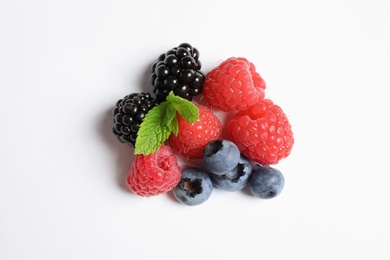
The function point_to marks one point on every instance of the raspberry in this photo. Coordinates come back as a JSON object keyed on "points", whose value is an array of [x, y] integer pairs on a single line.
{"points": [[233, 85], [192, 138], [128, 115], [178, 70], [155, 173], [262, 133]]}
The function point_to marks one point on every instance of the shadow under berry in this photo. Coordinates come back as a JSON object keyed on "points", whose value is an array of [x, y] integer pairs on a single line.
{"points": [[124, 154]]}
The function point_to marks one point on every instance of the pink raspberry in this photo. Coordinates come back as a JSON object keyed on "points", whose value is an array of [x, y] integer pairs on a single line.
{"points": [[262, 133], [233, 85], [155, 173]]}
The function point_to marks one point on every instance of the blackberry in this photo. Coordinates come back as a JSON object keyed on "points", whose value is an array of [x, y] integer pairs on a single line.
{"points": [[178, 70], [128, 115]]}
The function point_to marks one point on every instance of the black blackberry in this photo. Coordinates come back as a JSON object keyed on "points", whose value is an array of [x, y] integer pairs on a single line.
{"points": [[178, 70], [128, 115]]}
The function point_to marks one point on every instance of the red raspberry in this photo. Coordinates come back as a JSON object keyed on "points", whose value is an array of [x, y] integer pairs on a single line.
{"points": [[233, 85], [192, 138], [262, 133], [155, 173]]}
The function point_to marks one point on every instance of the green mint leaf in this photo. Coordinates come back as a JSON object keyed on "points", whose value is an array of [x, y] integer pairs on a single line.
{"points": [[186, 108], [174, 126], [153, 132], [170, 114]]}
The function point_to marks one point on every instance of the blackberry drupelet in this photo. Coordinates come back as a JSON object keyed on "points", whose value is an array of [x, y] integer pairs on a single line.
{"points": [[128, 115], [178, 70]]}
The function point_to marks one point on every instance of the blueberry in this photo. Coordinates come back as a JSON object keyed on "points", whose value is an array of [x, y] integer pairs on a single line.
{"points": [[220, 156], [265, 182], [236, 179], [194, 187]]}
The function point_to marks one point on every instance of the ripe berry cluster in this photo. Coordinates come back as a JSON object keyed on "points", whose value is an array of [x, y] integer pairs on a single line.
{"points": [[258, 134], [227, 169]]}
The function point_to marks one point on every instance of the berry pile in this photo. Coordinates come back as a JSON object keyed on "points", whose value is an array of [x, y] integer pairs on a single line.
{"points": [[162, 126], [228, 170]]}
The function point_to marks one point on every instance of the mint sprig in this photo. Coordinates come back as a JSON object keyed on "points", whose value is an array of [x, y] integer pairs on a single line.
{"points": [[186, 109], [161, 121]]}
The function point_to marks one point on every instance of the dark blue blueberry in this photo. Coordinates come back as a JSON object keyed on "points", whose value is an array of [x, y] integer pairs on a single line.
{"points": [[236, 179], [220, 156], [194, 187], [265, 182]]}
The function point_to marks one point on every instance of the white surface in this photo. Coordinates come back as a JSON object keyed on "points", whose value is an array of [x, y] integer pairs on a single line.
{"points": [[64, 64]]}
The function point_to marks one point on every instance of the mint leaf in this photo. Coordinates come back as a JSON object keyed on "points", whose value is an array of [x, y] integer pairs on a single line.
{"points": [[170, 114], [161, 121], [174, 126], [153, 132], [186, 108]]}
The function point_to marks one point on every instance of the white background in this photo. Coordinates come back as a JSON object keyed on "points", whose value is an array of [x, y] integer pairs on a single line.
{"points": [[64, 64]]}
